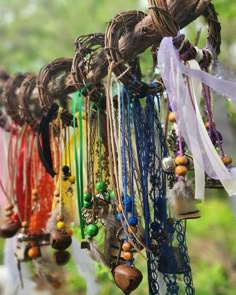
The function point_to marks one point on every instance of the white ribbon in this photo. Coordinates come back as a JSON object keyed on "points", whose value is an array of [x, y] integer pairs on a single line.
{"points": [[189, 117]]}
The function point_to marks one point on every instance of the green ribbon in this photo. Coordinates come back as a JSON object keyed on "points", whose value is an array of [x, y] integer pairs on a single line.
{"points": [[78, 99]]}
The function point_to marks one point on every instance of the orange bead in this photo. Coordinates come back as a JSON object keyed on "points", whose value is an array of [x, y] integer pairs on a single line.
{"points": [[127, 255], [33, 252], [181, 160], [181, 170], [69, 231], [35, 191], [119, 208], [25, 224], [227, 160], [126, 247], [171, 117], [132, 229]]}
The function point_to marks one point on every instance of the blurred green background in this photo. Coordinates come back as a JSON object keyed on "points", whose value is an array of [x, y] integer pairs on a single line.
{"points": [[34, 32]]}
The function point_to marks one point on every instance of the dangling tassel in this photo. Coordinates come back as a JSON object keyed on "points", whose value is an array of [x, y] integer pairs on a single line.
{"points": [[86, 267], [182, 201]]}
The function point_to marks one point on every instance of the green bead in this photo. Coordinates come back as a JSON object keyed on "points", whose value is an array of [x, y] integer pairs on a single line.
{"points": [[87, 197], [112, 195], [92, 230], [101, 186], [107, 197], [87, 204]]}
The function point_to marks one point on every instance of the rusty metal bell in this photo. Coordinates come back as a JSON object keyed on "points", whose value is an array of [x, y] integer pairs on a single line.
{"points": [[127, 278], [9, 228], [60, 240]]}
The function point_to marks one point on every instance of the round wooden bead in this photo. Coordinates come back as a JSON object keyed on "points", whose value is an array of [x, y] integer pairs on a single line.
{"points": [[227, 160], [56, 193], [126, 246], [69, 231], [181, 160], [132, 229], [119, 208], [170, 221], [33, 252], [171, 117], [9, 213], [35, 191], [60, 217], [35, 198], [181, 170], [9, 207], [127, 255], [92, 230], [25, 224]]}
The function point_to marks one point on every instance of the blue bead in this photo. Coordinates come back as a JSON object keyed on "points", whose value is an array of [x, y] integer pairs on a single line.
{"points": [[133, 220], [118, 216]]}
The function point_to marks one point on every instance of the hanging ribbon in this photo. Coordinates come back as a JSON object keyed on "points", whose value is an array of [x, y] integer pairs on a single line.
{"points": [[188, 114], [45, 150], [78, 118]]}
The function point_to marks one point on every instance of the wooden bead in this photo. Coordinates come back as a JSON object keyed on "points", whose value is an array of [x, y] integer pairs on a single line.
{"points": [[33, 252], [181, 160], [170, 221], [181, 170], [171, 117], [132, 229], [56, 193], [127, 255], [9, 207], [60, 217], [35, 198], [119, 208], [126, 246], [9, 213], [25, 224], [69, 231], [35, 191], [227, 160]]}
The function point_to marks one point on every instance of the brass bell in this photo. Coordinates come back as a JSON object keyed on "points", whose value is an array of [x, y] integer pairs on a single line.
{"points": [[127, 278], [168, 164], [60, 240]]}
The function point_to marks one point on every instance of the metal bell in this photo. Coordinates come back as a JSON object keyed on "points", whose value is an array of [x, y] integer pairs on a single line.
{"points": [[168, 164]]}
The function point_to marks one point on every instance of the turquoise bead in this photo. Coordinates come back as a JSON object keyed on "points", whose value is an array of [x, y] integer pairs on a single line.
{"points": [[92, 230], [101, 186]]}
